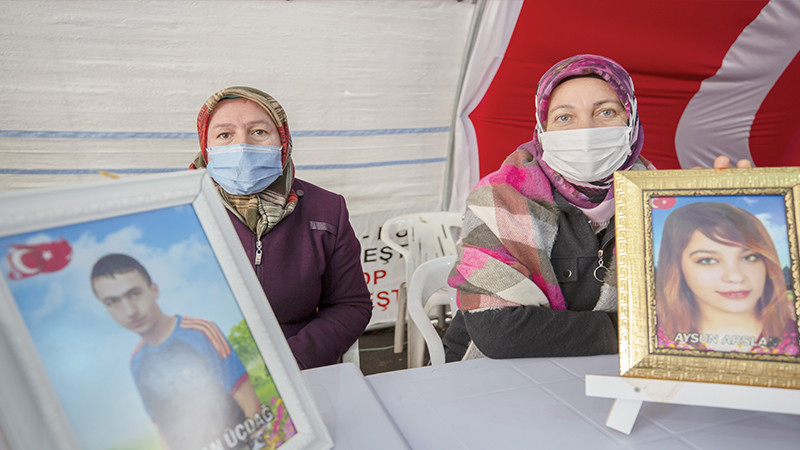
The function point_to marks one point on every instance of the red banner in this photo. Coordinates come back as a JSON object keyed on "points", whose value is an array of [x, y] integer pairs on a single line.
{"points": [[671, 50]]}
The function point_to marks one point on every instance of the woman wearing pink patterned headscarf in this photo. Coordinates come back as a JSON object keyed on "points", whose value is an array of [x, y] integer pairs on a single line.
{"points": [[536, 275]]}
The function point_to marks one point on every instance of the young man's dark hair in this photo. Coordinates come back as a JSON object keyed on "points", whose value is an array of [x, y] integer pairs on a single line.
{"points": [[117, 263]]}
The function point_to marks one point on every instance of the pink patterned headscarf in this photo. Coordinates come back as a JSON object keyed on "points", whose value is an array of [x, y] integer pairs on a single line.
{"points": [[619, 80]]}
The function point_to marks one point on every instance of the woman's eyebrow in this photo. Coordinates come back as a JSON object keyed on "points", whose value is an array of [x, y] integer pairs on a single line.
{"points": [[561, 106], [221, 125], [263, 123], [712, 252], [231, 125], [610, 100], [615, 101]]}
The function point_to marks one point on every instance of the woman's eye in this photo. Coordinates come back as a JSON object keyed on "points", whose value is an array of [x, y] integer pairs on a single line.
{"points": [[608, 113], [223, 136], [562, 118], [753, 257], [706, 261], [260, 132]]}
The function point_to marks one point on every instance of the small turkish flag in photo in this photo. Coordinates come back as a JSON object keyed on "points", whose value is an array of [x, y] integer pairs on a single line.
{"points": [[663, 202], [28, 260]]}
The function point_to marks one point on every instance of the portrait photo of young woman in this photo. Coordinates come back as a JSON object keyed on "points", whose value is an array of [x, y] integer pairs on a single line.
{"points": [[720, 282]]}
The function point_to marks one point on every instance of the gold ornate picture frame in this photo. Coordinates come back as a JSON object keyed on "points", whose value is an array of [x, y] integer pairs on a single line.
{"points": [[708, 275]]}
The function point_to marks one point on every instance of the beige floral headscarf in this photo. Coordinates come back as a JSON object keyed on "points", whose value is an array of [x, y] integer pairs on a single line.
{"points": [[263, 210]]}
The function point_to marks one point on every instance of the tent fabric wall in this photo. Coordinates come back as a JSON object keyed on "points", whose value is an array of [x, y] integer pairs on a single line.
{"points": [[369, 87], [497, 21], [726, 71]]}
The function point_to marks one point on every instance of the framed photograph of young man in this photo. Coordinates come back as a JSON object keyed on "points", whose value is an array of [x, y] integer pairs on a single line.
{"points": [[708, 276], [130, 318]]}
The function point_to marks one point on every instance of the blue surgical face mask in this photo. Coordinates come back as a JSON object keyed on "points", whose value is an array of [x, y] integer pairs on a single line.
{"points": [[243, 169]]}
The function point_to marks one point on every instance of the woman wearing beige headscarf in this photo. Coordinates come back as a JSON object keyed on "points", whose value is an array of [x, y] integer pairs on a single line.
{"points": [[297, 235]]}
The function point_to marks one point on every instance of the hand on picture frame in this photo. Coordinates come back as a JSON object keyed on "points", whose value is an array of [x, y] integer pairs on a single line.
{"points": [[723, 162]]}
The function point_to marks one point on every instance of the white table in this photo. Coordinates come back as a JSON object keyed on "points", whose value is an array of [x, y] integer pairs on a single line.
{"points": [[351, 412], [540, 403]]}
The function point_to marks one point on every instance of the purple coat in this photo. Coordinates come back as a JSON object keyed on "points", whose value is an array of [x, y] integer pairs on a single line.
{"points": [[311, 272]]}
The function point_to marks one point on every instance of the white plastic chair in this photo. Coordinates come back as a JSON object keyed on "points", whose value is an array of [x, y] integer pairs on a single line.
{"points": [[430, 277], [418, 237], [352, 355]]}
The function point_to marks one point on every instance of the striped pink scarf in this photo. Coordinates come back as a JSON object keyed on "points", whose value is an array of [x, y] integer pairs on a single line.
{"points": [[510, 227]]}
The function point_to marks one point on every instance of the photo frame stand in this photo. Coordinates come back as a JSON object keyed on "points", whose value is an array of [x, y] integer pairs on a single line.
{"points": [[629, 393]]}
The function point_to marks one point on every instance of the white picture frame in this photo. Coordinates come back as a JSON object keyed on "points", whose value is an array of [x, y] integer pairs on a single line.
{"points": [[150, 218]]}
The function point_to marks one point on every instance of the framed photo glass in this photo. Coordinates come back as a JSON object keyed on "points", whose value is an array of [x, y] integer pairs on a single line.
{"points": [[131, 318], [708, 276]]}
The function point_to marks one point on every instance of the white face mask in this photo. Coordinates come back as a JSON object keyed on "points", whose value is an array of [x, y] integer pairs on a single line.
{"points": [[586, 154]]}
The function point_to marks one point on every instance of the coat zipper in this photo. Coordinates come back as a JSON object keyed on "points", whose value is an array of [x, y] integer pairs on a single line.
{"points": [[258, 252], [259, 245], [608, 237]]}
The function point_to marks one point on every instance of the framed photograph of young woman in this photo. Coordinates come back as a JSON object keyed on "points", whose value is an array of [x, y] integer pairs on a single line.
{"points": [[708, 276], [131, 318]]}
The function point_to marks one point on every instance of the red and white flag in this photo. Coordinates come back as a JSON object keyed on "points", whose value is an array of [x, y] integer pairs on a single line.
{"points": [[29, 260]]}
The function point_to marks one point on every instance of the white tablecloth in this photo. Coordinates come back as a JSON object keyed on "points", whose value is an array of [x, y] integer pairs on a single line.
{"points": [[351, 412], [540, 403]]}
